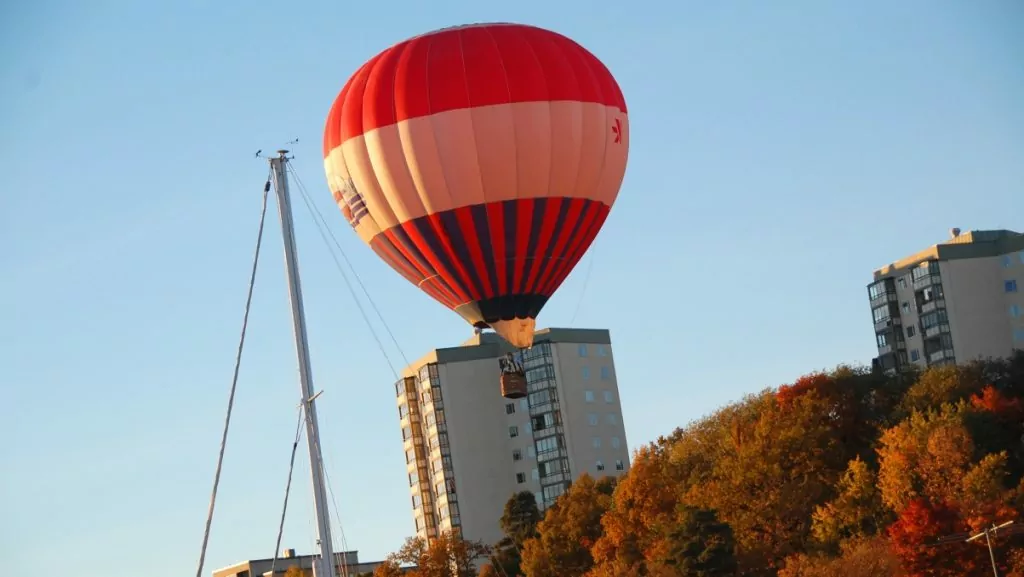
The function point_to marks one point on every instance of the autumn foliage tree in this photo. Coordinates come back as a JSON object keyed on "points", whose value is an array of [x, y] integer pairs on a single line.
{"points": [[843, 473], [568, 531], [447, 555]]}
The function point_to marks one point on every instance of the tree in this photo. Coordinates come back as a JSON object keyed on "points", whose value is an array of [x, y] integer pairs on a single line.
{"points": [[447, 555], [569, 529], [856, 512], [779, 460], [642, 513], [860, 557], [389, 568], [914, 536], [296, 571], [519, 523], [520, 519], [699, 545], [844, 473]]}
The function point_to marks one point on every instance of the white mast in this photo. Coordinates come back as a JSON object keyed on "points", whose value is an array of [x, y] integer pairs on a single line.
{"points": [[324, 566]]}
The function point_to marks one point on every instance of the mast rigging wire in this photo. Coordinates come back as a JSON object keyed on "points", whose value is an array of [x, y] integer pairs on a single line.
{"points": [[325, 230], [234, 381], [287, 491]]}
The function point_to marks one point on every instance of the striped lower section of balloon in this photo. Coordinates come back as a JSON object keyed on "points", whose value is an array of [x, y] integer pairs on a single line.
{"points": [[495, 261]]}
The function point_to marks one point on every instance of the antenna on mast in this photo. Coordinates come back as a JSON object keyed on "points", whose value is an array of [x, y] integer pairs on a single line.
{"points": [[324, 566]]}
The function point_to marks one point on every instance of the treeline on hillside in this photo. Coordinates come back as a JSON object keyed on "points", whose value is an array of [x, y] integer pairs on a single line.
{"points": [[845, 473]]}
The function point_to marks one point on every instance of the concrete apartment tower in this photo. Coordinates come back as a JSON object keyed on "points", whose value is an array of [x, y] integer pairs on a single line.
{"points": [[957, 301], [468, 449]]}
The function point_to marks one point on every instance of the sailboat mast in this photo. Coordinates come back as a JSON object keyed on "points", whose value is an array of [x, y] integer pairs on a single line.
{"points": [[324, 566]]}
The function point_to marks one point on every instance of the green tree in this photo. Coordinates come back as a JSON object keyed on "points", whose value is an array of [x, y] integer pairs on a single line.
{"points": [[520, 519], [518, 523], [699, 545]]}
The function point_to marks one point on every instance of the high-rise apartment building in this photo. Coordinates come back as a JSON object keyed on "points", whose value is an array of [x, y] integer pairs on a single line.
{"points": [[957, 301], [469, 449]]}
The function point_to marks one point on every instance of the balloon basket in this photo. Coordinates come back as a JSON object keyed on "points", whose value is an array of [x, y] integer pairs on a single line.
{"points": [[513, 385]]}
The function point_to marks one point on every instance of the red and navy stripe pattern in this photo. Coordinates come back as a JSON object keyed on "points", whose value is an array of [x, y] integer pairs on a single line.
{"points": [[497, 261]]}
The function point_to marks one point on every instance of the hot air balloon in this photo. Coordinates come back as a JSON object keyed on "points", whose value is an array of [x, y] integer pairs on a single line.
{"points": [[480, 162]]}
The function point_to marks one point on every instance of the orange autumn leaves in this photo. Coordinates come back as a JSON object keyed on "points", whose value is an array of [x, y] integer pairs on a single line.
{"points": [[841, 473], [846, 473]]}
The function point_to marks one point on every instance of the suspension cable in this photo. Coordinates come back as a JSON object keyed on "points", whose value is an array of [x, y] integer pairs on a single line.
{"points": [[234, 381], [325, 231], [287, 490]]}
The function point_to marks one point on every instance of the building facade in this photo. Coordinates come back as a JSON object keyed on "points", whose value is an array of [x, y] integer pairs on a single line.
{"points": [[347, 564], [959, 300], [468, 449]]}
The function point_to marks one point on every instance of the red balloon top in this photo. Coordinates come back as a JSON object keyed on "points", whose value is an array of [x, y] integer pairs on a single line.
{"points": [[467, 67]]}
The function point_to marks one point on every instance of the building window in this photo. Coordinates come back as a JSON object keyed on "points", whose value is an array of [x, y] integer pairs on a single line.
{"points": [[517, 455], [1014, 311], [597, 442], [911, 331], [592, 419], [403, 410], [608, 396], [589, 396], [513, 431], [612, 419], [520, 478], [586, 373], [880, 314], [902, 282], [905, 306], [583, 350], [619, 465], [615, 442], [1010, 286], [915, 355], [606, 373], [602, 351], [547, 444], [416, 501], [600, 466], [510, 408], [413, 478]]}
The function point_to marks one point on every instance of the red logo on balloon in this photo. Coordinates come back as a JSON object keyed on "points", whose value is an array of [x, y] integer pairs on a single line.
{"points": [[617, 129]]}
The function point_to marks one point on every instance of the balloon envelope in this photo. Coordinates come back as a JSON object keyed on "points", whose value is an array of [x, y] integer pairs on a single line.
{"points": [[480, 162]]}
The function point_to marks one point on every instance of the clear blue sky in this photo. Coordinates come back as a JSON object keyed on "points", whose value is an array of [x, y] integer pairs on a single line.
{"points": [[779, 154]]}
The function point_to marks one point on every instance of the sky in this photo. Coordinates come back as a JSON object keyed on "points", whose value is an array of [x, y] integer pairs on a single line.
{"points": [[780, 152]]}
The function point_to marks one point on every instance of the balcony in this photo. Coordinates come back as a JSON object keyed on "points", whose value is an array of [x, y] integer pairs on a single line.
{"points": [[934, 331], [882, 298], [891, 321], [926, 281], [932, 305], [940, 356]]}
